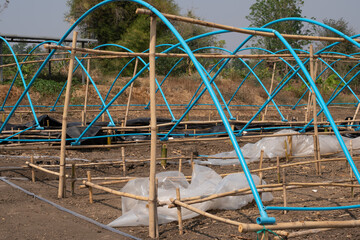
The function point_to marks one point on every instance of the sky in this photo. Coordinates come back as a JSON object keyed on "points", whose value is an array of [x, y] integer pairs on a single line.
{"points": [[45, 18]]}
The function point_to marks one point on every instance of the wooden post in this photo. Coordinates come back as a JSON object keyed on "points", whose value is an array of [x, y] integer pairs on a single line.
{"points": [[278, 168], [284, 189], [130, 92], [73, 179], [260, 165], [123, 160], [32, 170], [270, 91], [180, 164], [152, 188], [164, 155], [316, 132], [62, 185], [351, 172], [86, 93], [179, 212], [90, 188]]}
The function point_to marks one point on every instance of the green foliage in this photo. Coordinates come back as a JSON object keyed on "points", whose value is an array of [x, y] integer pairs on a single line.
{"points": [[265, 11], [342, 26], [118, 23]]}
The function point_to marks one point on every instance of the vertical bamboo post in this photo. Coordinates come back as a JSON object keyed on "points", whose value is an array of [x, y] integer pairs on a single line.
{"points": [[260, 165], [164, 156], [32, 170], [180, 164], [90, 188], [270, 91], [152, 188], [278, 168], [286, 151], [290, 145], [316, 132], [62, 185], [284, 189], [130, 92], [123, 160], [86, 93], [351, 172], [192, 161], [179, 212], [73, 179]]}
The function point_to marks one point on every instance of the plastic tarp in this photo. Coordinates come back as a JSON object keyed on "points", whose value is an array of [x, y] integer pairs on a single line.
{"points": [[205, 181], [302, 145]]}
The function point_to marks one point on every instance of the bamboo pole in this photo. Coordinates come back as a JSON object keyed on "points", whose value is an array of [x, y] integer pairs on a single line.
{"points": [[86, 93], [115, 54], [118, 193], [90, 188], [270, 91], [241, 30], [62, 185], [179, 212], [180, 164], [44, 169], [284, 189], [152, 188], [123, 160], [244, 227], [32, 170], [209, 215], [278, 168], [73, 179], [314, 104], [130, 92]]}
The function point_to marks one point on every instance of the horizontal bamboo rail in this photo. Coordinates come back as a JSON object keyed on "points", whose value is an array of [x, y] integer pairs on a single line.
{"points": [[244, 227], [241, 30], [43, 169], [118, 193], [197, 55]]}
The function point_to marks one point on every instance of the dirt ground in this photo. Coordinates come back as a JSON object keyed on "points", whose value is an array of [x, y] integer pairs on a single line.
{"points": [[24, 217]]}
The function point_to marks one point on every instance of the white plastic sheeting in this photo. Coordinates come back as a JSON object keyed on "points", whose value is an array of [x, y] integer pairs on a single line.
{"points": [[205, 181], [302, 145]]}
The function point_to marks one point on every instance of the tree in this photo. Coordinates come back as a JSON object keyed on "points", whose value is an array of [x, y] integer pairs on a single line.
{"points": [[118, 23], [342, 26], [265, 11]]}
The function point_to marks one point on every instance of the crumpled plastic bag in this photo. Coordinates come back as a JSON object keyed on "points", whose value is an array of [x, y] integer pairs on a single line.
{"points": [[302, 145], [205, 181]]}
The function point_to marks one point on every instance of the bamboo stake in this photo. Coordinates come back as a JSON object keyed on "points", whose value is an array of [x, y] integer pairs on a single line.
{"points": [[270, 91], [278, 168], [179, 212], [86, 93], [130, 92], [123, 160], [316, 136], [351, 172], [32, 170], [284, 189], [44, 169], [260, 166], [180, 164], [73, 179], [241, 30], [90, 188], [62, 185], [244, 227], [209, 215], [164, 155], [152, 189]]}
